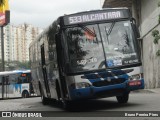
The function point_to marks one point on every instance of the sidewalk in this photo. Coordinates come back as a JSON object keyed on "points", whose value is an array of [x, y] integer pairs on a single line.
{"points": [[156, 90]]}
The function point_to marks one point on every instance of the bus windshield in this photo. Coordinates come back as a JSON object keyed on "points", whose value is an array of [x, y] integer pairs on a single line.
{"points": [[120, 46], [98, 46]]}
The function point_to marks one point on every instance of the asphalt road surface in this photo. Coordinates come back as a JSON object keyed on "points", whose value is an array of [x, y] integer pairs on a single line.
{"points": [[143, 102]]}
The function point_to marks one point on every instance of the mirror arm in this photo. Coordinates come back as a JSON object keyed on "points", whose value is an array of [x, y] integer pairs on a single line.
{"points": [[140, 39]]}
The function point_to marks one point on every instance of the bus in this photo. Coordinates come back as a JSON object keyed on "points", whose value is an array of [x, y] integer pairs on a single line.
{"points": [[14, 84], [88, 55]]}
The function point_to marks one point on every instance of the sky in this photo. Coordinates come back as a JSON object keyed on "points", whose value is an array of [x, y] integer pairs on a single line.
{"points": [[41, 13]]}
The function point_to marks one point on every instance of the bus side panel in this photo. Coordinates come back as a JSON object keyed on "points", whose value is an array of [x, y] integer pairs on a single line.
{"points": [[34, 67], [35, 81], [12, 90], [41, 81], [53, 75], [0, 87], [51, 60], [51, 66]]}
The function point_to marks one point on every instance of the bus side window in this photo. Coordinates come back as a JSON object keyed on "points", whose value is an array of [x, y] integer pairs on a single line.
{"points": [[28, 78], [13, 79], [0, 80], [19, 80], [7, 80], [24, 78]]}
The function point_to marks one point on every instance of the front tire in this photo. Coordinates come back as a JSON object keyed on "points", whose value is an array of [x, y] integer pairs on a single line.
{"points": [[123, 98], [44, 100], [67, 105], [25, 94]]}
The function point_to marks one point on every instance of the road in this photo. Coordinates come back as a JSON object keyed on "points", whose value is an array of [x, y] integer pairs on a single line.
{"points": [[137, 102]]}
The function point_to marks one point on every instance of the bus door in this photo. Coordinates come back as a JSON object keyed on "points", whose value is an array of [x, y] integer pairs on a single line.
{"points": [[5, 87], [1, 87], [44, 71]]}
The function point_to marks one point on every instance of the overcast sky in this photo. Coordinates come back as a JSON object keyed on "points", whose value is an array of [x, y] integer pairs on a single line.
{"points": [[41, 13]]}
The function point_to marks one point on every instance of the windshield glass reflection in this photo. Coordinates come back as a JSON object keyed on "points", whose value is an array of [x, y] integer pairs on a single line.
{"points": [[101, 46], [119, 44], [85, 47]]}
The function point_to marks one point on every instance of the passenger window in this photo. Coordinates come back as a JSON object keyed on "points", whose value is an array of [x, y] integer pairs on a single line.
{"points": [[13, 79], [0, 80]]}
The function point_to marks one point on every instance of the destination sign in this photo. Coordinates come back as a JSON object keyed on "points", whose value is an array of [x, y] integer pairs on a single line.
{"points": [[94, 16]]}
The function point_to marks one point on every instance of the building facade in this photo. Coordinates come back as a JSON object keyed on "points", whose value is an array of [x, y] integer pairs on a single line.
{"points": [[147, 14], [17, 40]]}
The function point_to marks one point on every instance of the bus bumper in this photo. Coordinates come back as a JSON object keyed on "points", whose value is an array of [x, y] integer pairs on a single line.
{"points": [[106, 91]]}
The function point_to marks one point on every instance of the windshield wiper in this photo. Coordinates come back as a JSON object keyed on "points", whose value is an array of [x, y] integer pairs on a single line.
{"points": [[109, 31]]}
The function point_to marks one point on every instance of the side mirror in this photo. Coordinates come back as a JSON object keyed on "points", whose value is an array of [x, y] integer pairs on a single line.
{"points": [[134, 20]]}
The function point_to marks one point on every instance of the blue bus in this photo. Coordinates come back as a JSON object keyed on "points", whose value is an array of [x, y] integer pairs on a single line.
{"points": [[88, 55], [14, 84]]}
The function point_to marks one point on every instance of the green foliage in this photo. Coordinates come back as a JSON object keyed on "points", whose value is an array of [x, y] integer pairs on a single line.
{"points": [[24, 65], [158, 53], [155, 33], [15, 65], [159, 4], [156, 39]]}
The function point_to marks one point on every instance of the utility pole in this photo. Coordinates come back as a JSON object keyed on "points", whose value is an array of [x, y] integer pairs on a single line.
{"points": [[2, 49], [4, 20], [2, 53]]}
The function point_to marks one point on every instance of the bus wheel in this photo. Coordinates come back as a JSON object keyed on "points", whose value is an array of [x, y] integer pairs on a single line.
{"points": [[58, 91], [123, 98], [44, 100], [66, 104], [25, 94]]}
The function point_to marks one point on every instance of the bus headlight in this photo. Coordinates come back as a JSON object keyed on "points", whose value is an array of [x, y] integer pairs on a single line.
{"points": [[80, 85], [135, 77]]}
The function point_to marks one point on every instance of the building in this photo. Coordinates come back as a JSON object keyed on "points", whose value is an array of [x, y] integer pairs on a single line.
{"points": [[147, 14], [6, 31], [26, 34], [17, 40]]}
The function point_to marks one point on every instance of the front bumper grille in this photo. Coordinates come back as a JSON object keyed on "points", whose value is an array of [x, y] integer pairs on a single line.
{"points": [[107, 82]]}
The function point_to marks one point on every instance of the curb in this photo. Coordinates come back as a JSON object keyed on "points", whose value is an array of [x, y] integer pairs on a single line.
{"points": [[146, 91]]}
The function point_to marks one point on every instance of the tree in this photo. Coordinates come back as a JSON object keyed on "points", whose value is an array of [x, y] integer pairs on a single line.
{"points": [[15, 65]]}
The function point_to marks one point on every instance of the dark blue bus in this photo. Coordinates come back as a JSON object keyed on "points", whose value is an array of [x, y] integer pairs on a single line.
{"points": [[88, 55]]}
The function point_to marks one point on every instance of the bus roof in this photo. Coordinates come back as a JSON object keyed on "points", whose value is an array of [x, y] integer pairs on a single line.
{"points": [[14, 72]]}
